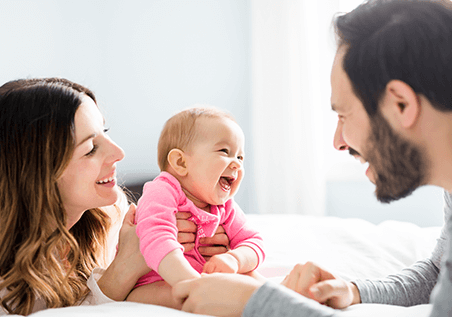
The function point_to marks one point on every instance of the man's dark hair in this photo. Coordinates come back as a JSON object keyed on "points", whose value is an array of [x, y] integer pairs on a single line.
{"points": [[408, 40]]}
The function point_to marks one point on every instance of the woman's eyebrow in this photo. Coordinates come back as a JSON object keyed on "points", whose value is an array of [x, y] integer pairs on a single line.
{"points": [[91, 136]]}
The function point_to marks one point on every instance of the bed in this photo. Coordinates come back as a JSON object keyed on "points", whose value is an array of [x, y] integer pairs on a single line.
{"points": [[351, 248]]}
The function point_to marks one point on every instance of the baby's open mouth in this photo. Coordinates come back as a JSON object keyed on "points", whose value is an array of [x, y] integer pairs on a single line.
{"points": [[226, 182]]}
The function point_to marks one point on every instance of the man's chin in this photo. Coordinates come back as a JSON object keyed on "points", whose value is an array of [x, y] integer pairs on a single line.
{"points": [[386, 195], [370, 176]]}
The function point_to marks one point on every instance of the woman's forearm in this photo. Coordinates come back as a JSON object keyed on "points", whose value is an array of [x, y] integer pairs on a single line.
{"points": [[119, 279]]}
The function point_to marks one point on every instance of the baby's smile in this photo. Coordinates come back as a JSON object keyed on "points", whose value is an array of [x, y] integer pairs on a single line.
{"points": [[226, 182]]}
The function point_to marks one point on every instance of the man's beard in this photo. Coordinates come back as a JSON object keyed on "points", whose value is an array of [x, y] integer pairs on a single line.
{"points": [[399, 167]]}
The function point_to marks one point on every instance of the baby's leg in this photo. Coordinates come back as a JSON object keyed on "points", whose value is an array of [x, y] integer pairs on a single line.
{"points": [[157, 293]]}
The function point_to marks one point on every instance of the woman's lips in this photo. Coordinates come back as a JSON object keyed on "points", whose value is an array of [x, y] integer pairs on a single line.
{"points": [[111, 178]]}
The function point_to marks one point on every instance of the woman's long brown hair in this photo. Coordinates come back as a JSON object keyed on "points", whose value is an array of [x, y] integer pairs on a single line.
{"points": [[39, 257]]}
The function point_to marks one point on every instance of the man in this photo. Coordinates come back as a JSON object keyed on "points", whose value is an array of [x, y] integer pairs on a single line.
{"points": [[392, 90]]}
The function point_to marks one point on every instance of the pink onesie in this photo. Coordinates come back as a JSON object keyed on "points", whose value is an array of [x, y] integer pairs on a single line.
{"points": [[157, 231]]}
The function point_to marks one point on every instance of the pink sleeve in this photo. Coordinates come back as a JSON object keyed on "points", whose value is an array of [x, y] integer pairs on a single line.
{"points": [[239, 233], [156, 221]]}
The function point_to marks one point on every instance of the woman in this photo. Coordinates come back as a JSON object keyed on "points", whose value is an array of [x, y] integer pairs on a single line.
{"points": [[60, 207]]}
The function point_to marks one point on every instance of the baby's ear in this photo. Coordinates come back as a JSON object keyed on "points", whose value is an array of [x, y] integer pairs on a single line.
{"points": [[176, 159]]}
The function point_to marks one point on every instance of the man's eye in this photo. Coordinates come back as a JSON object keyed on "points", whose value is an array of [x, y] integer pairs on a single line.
{"points": [[93, 150]]}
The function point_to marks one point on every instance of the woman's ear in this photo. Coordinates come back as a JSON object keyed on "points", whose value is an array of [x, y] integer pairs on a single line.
{"points": [[405, 105], [176, 159]]}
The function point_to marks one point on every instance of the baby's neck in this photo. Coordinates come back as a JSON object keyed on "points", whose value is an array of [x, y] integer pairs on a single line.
{"points": [[200, 204]]}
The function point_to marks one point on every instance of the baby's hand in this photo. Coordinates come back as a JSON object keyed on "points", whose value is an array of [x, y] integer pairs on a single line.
{"points": [[221, 263]]}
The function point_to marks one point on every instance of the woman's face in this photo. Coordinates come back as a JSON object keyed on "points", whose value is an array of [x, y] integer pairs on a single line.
{"points": [[89, 181]]}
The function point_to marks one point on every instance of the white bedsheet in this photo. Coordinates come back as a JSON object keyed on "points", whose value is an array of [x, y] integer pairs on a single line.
{"points": [[351, 248]]}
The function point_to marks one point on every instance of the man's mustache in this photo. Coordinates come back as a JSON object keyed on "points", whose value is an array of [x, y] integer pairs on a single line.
{"points": [[353, 152]]}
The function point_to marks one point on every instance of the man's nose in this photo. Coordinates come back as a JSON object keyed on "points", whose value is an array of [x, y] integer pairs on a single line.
{"points": [[339, 143]]}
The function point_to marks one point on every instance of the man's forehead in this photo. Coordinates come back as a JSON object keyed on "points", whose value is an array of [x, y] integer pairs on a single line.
{"points": [[341, 88]]}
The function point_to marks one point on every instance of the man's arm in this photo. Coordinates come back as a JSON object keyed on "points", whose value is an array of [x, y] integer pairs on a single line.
{"points": [[413, 286], [277, 300], [410, 287]]}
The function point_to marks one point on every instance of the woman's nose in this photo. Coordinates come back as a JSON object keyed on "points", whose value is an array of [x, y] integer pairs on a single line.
{"points": [[116, 153], [339, 142]]}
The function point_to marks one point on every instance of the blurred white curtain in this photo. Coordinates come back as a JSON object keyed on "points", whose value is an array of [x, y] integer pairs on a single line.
{"points": [[292, 52]]}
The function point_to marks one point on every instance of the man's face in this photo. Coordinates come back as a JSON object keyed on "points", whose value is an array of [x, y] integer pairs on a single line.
{"points": [[396, 166]]}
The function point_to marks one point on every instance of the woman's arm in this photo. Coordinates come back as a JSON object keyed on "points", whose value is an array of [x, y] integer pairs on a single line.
{"points": [[128, 265]]}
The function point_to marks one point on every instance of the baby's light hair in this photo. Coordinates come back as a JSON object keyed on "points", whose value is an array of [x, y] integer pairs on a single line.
{"points": [[180, 130]]}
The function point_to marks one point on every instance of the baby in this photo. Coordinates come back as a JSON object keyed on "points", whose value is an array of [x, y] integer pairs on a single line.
{"points": [[200, 154]]}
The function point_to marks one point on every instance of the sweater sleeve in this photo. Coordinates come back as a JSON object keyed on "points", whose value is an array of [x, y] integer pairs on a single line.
{"points": [[276, 300], [414, 285], [442, 305], [156, 221], [240, 233]]}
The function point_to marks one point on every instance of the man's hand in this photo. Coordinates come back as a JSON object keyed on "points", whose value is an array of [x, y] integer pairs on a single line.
{"points": [[217, 244], [312, 281], [221, 263], [216, 294]]}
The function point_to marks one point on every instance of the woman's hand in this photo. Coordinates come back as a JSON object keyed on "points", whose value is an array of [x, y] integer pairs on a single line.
{"points": [[186, 234], [227, 294], [217, 244], [129, 264], [312, 281]]}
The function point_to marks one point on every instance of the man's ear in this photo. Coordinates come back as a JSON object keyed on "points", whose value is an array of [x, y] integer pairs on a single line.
{"points": [[176, 159], [405, 105]]}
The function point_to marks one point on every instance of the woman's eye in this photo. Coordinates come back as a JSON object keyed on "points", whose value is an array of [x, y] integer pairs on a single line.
{"points": [[93, 150]]}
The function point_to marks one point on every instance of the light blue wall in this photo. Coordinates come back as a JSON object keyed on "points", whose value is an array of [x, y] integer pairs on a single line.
{"points": [[145, 60], [356, 199], [148, 59]]}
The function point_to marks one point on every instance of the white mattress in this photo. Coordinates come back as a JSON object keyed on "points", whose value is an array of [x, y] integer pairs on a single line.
{"points": [[351, 248]]}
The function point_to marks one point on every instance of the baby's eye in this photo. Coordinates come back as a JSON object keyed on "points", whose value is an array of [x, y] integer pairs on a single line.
{"points": [[106, 130], [240, 157], [225, 151]]}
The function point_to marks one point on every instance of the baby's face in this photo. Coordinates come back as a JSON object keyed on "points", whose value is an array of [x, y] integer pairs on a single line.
{"points": [[214, 162]]}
